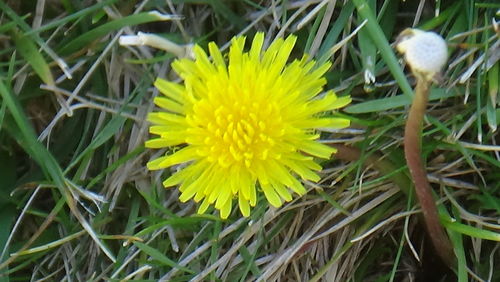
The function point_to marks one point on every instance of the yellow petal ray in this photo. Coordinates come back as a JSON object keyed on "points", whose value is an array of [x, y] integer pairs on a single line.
{"points": [[256, 48], [236, 51], [169, 104], [234, 180], [188, 192], [181, 156], [224, 195], [312, 165], [174, 179], [253, 195], [329, 122], [199, 195], [271, 195], [212, 182], [284, 52], [282, 191], [330, 101], [199, 177], [310, 88], [279, 173], [337, 123], [340, 102], [155, 164], [193, 171], [186, 69], [213, 194], [271, 52], [319, 105], [203, 207], [297, 187], [226, 209], [167, 118], [304, 161], [205, 189], [244, 206], [320, 71], [159, 129], [205, 67], [170, 89], [216, 55], [208, 182], [196, 187], [304, 172], [245, 184], [157, 143], [262, 173], [316, 149]]}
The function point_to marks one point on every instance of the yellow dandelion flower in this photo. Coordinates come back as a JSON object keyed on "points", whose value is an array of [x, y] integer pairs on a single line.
{"points": [[244, 127]]}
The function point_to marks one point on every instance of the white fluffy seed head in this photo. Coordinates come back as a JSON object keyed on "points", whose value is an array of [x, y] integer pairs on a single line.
{"points": [[425, 52]]}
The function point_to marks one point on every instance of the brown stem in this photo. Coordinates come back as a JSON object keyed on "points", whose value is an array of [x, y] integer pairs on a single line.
{"points": [[413, 152]]}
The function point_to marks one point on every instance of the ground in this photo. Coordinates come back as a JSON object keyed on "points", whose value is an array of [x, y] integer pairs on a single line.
{"points": [[78, 202]]}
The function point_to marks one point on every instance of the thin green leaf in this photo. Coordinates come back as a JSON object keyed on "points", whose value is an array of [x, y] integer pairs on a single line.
{"points": [[335, 31], [155, 254], [26, 136], [394, 102], [98, 32], [28, 50], [458, 245], [73, 16], [493, 76], [470, 230], [379, 39], [368, 55], [222, 9]]}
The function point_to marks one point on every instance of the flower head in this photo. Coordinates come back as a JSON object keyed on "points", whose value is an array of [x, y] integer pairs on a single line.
{"points": [[424, 51], [244, 126]]}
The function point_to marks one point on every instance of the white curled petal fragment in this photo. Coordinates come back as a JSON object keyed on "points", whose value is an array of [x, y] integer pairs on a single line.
{"points": [[425, 52], [158, 42]]}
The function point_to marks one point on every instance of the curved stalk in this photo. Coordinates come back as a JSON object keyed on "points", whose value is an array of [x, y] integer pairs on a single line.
{"points": [[413, 152]]}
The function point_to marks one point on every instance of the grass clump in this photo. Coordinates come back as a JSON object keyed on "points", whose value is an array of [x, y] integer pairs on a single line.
{"points": [[78, 203]]}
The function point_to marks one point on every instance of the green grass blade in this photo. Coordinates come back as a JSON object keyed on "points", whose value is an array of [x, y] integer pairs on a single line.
{"points": [[394, 102], [493, 77], [334, 33], [8, 214], [443, 16], [98, 32], [115, 165], [10, 25], [368, 55], [26, 28], [28, 50], [222, 9], [379, 39], [74, 16], [470, 230], [458, 245], [156, 255], [28, 139]]}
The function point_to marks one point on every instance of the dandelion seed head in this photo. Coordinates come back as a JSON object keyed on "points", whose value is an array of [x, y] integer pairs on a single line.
{"points": [[426, 52]]}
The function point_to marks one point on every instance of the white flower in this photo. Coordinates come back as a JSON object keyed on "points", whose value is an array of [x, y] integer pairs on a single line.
{"points": [[424, 51]]}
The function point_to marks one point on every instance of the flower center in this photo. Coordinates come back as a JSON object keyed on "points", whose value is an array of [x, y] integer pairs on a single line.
{"points": [[239, 133]]}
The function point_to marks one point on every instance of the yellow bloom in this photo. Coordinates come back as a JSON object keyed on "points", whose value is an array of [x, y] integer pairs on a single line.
{"points": [[252, 120]]}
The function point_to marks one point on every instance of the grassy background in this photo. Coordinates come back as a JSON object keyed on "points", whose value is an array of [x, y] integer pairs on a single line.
{"points": [[77, 203]]}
